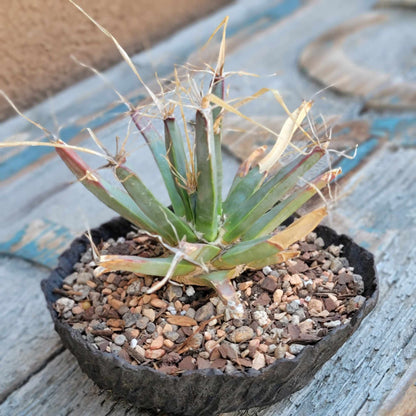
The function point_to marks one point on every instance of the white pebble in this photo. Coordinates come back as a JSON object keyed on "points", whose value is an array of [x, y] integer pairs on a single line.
{"points": [[332, 324], [133, 343], [296, 348], [172, 310], [65, 304], [295, 320], [267, 270], [190, 291], [261, 317]]}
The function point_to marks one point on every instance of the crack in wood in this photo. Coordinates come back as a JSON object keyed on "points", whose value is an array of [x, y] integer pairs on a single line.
{"points": [[4, 395]]}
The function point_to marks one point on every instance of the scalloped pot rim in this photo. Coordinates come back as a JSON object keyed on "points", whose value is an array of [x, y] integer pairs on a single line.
{"points": [[210, 391]]}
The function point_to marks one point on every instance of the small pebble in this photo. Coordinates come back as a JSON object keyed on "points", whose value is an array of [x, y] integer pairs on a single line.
{"points": [[293, 306], [204, 312], [311, 237], [158, 303], [157, 343], [242, 334], [142, 322], [168, 343], [115, 348], [120, 340], [190, 291], [259, 361], [261, 317], [134, 288], [171, 335], [149, 313], [190, 313], [173, 292], [150, 328], [332, 324], [154, 354], [65, 304], [172, 310], [336, 265], [295, 349]]}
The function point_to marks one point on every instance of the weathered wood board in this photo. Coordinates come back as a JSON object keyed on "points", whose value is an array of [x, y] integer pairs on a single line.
{"points": [[62, 389], [27, 338], [374, 368]]}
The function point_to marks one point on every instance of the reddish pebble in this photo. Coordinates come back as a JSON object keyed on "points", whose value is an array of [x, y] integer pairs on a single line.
{"points": [[158, 303], [245, 285], [116, 323], [157, 343], [154, 354], [76, 310], [168, 343], [263, 347], [116, 304], [188, 363]]}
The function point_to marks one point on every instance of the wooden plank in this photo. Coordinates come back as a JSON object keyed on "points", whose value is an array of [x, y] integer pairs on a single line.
{"points": [[326, 61], [27, 338], [411, 4], [402, 399], [41, 242], [62, 389]]}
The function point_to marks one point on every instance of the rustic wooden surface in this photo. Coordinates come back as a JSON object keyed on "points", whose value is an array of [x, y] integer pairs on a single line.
{"points": [[374, 372]]}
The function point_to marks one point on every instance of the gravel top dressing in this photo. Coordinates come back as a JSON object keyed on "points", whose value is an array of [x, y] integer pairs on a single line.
{"points": [[181, 328]]}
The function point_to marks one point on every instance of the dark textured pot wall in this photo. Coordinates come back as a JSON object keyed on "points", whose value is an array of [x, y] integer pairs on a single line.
{"points": [[205, 392]]}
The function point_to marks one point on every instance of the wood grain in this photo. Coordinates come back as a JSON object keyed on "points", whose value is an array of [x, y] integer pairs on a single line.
{"points": [[396, 3], [325, 61], [27, 338], [402, 399], [62, 389]]}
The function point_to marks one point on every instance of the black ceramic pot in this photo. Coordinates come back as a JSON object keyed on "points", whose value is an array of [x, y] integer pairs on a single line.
{"points": [[205, 392]]}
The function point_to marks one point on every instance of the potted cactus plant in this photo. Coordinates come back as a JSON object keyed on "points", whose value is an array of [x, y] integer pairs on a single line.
{"points": [[174, 308]]}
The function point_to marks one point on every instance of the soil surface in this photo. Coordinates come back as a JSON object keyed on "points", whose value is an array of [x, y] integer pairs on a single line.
{"points": [[38, 37], [183, 328]]}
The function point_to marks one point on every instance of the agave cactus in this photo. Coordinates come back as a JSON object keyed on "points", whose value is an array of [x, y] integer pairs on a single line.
{"points": [[211, 241]]}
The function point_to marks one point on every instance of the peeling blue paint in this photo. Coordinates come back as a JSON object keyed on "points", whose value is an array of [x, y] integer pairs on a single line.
{"points": [[364, 149], [385, 125], [46, 256], [267, 17], [397, 129], [26, 157]]}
